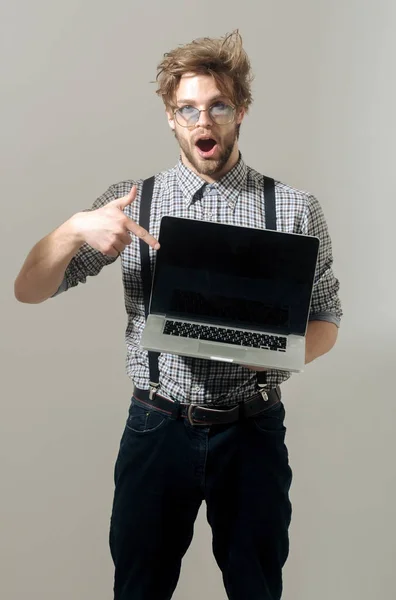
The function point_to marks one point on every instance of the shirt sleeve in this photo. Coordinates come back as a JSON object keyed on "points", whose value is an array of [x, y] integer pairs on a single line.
{"points": [[325, 304], [88, 261]]}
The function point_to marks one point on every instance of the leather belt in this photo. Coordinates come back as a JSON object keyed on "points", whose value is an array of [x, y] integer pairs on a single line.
{"points": [[204, 415]]}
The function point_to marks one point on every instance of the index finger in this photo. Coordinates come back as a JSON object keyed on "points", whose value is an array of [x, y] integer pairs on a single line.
{"points": [[142, 234]]}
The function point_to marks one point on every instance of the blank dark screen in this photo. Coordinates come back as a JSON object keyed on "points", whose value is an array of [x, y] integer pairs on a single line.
{"points": [[233, 275]]}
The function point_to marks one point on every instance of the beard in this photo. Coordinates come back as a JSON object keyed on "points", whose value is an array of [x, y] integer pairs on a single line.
{"points": [[209, 166]]}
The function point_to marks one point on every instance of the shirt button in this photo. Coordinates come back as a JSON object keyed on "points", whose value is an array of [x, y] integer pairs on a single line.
{"points": [[209, 214], [195, 388]]}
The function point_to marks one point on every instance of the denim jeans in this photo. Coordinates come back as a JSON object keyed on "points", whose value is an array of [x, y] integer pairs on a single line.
{"points": [[164, 470]]}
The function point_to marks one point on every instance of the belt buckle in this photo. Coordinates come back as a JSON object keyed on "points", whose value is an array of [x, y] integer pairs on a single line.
{"points": [[189, 414], [190, 419]]}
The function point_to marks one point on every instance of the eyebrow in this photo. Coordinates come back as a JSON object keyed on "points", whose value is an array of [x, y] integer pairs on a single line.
{"points": [[190, 101]]}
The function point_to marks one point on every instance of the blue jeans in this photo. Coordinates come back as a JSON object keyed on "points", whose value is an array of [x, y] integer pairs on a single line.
{"points": [[166, 468]]}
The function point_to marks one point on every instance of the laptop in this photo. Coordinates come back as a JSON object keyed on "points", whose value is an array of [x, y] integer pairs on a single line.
{"points": [[230, 293]]}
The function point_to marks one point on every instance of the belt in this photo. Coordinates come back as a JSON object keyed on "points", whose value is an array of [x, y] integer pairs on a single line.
{"points": [[197, 414]]}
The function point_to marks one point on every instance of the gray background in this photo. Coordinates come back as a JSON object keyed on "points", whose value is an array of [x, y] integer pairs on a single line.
{"points": [[79, 113]]}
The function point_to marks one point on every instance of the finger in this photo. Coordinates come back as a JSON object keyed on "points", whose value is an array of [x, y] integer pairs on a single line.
{"points": [[125, 238], [113, 252], [119, 246], [123, 202], [143, 234]]}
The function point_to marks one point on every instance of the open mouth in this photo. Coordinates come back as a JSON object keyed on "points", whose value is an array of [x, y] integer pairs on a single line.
{"points": [[206, 147]]}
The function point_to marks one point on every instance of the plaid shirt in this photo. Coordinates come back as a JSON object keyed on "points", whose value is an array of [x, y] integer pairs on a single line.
{"points": [[236, 199]]}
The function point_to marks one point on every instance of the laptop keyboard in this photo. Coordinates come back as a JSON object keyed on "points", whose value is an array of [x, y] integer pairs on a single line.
{"points": [[226, 335]]}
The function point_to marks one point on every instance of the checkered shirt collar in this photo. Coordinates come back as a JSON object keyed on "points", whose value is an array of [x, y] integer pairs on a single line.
{"points": [[229, 186]]}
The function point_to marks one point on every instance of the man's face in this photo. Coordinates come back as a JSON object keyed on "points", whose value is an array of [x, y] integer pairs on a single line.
{"points": [[207, 158]]}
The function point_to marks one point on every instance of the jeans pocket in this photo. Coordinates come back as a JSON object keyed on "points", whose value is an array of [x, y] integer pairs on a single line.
{"points": [[271, 420], [145, 419]]}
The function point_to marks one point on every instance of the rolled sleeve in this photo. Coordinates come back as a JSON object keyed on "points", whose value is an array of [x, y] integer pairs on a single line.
{"points": [[325, 304]]}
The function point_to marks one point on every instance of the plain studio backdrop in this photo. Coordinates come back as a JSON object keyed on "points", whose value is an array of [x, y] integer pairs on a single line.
{"points": [[78, 113]]}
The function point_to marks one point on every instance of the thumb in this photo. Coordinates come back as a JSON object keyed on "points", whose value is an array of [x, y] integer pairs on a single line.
{"points": [[121, 203]]}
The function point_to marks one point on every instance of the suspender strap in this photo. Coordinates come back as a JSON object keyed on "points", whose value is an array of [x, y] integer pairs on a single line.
{"points": [[270, 206], [144, 221], [270, 223]]}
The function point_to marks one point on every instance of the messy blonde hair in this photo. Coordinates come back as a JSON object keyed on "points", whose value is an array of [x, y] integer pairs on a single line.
{"points": [[223, 58]]}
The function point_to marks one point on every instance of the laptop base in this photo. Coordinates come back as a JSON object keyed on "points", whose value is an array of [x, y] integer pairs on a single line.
{"points": [[153, 339]]}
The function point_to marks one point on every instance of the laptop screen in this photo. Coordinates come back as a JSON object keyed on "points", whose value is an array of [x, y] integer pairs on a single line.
{"points": [[234, 276]]}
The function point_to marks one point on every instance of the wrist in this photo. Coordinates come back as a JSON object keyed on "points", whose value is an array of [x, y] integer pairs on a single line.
{"points": [[74, 228]]}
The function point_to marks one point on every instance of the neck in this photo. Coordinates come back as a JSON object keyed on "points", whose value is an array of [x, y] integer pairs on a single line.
{"points": [[232, 161]]}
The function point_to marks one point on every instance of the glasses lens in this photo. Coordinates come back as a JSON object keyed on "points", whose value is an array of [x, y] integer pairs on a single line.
{"points": [[187, 116], [221, 113]]}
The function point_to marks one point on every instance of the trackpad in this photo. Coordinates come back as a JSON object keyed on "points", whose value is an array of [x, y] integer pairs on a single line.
{"points": [[221, 351]]}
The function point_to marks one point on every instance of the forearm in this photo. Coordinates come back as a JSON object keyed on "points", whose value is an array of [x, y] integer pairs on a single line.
{"points": [[320, 339], [45, 265]]}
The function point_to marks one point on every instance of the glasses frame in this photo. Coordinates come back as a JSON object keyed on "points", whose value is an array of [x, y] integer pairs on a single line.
{"points": [[234, 109]]}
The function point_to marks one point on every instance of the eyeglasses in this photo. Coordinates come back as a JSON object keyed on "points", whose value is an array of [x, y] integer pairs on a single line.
{"points": [[220, 113]]}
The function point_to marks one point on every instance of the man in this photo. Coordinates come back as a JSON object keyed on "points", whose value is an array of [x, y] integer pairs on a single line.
{"points": [[167, 463]]}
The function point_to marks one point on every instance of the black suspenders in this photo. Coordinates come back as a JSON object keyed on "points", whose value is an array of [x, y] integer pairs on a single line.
{"points": [[144, 221], [269, 200]]}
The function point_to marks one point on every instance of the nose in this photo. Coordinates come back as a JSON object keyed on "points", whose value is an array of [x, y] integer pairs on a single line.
{"points": [[204, 119]]}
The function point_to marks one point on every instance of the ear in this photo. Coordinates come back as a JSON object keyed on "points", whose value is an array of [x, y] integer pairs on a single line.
{"points": [[240, 115], [171, 119]]}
